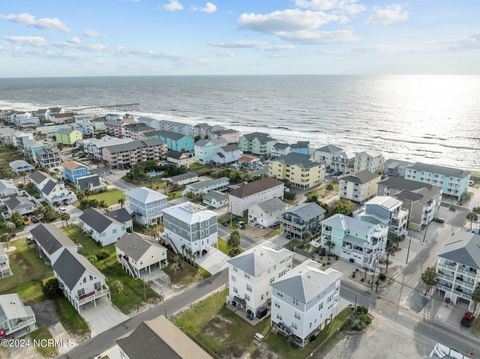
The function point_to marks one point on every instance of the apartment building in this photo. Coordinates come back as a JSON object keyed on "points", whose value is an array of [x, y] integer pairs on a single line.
{"points": [[359, 187], [79, 280], [128, 154], [304, 301], [135, 131], [453, 181], [298, 220], [387, 211], [257, 143], [420, 199], [191, 227], [353, 240], [250, 275], [298, 169], [245, 196], [369, 160], [146, 204], [458, 267], [173, 140], [393, 167], [94, 146]]}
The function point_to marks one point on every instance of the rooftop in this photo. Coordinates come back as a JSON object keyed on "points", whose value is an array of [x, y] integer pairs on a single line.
{"points": [[307, 211], [72, 165], [134, 245], [272, 205], [345, 222], [306, 281], [146, 195], [329, 149], [211, 182], [297, 159], [464, 248], [360, 177], [445, 171], [190, 213], [260, 259], [255, 187], [96, 219], [51, 238]]}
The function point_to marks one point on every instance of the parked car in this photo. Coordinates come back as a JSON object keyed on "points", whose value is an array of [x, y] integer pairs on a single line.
{"points": [[439, 220], [241, 225], [467, 320], [62, 209]]}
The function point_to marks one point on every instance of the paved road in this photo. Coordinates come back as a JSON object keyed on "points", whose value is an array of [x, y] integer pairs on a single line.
{"points": [[416, 322], [102, 342]]}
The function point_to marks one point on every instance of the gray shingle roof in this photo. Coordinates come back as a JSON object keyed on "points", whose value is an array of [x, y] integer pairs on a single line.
{"points": [[144, 343], [230, 148], [71, 267], [272, 205], [130, 146], [298, 159], [86, 181], [120, 215], [134, 246], [306, 281], [404, 184], [96, 219], [182, 177], [49, 186], [17, 202], [37, 177], [50, 237], [261, 136], [300, 144], [175, 154], [281, 146], [329, 149], [307, 211], [215, 195], [360, 177], [168, 134], [259, 259], [446, 171], [464, 248], [255, 187]]}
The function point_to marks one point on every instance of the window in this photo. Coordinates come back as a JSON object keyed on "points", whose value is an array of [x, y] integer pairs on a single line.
{"points": [[247, 297], [320, 307], [277, 305], [97, 285], [235, 290], [84, 280], [279, 316], [234, 279], [297, 316], [249, 287], [81, 292], [295, 301]]}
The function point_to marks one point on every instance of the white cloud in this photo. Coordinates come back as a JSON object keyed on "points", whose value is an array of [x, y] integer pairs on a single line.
{"points": [[27, 40], [297, 25], [75, 41], [349, 7], [287, 20], [209, 8], [91, 33], [250, 44], [319, 37], [41, 23], [224, 53], [173, 5], [388, 15]]}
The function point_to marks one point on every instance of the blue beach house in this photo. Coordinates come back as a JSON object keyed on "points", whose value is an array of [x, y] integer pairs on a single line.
{"points": [[73, 170]]}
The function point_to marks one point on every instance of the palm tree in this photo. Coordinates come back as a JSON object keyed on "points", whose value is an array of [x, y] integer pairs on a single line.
{"points": [[307, 236], [65, 217], [103, 205], [9, 226], [476, 298], [4, 238], [429, 278], [389, 249], [329, 245], [472, 217], [121, 201]]}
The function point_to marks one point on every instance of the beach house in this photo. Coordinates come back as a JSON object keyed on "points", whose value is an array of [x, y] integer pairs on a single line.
{"points": [[68, 136], [228, 134], [304, 301], [16, 319], [354, 240], [5, 270], [266, 213], [305, 217], [206, 149], [7, 188], [73, 170], [227, 155], [19, 166], [50, 241], [146, 204], [105, 229], [335, 159], [360, 186], [369, 160], [250, 275], [257, 143], [217, 184], [48, 158]]}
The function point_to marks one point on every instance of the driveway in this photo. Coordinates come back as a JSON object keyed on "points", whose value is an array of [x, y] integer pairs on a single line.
{"points": [[102, 317], [215, 261]]}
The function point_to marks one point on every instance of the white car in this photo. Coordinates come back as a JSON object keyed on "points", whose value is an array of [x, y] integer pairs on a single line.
{"points": [[62, 209]]}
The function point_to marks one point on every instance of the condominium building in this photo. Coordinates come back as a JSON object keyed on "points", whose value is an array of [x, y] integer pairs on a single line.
{"points": [[458, 267], [257, 143], [420, 199], [386, 211], [298, 169], [353, 240], [173, 140], [190, 227], [94, 146], [135, 131], [304, 301], [128, 154], [453, 181], [306, 217], [359, 187], [245, 196], [369, 160], [250, 275], [146, 204]]}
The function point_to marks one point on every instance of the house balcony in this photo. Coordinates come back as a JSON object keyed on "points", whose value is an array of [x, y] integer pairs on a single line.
{"points": [[23, 323], [448, 266], [97, 294], [459, 281]]}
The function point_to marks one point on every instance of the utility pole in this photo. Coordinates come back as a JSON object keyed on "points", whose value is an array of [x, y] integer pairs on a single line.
{"points": [[408, 251]]}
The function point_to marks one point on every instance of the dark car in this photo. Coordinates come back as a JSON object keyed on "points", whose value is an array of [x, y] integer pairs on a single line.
{"points": [[439, 220], [467, 320]]}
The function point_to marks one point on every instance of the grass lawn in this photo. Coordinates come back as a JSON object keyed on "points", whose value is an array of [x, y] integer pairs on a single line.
{"points": [[134, 292], [28, 273], [8, 155], [323, 193], [274, 233], [111, 196], [155, 183], [224, 247], [292, 244], [225, 333], [71, 320], [476, 328], [186, 274], [49, 351], [175, 194]]}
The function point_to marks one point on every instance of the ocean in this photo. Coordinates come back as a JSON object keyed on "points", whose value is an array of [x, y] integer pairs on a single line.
{"points": [[430, 118]]}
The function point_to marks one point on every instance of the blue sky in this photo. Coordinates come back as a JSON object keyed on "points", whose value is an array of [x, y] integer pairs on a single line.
{"points": [[168, 37]]}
